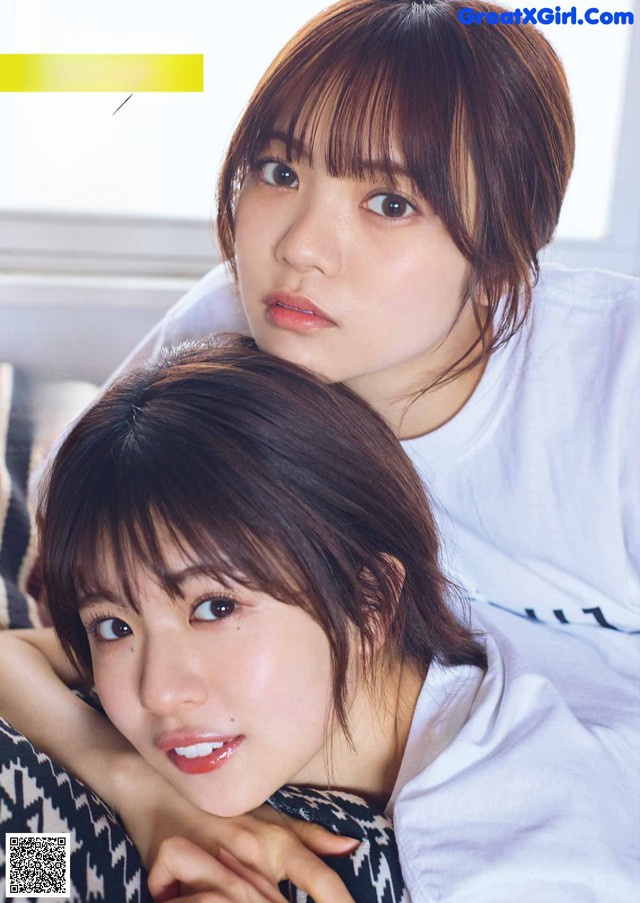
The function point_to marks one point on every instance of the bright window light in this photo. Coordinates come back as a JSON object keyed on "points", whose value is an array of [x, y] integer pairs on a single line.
{"points": [[159, 154]]}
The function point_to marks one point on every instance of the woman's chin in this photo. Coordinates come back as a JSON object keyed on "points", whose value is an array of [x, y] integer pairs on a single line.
{"points": [[220, 803]]}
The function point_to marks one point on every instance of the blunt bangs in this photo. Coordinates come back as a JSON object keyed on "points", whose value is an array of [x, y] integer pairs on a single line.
{"points": [[176, 461], [147, 512], [388, 104], [259, 473], [478, 118]]}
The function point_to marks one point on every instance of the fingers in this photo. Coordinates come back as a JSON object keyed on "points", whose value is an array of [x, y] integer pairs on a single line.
{"points": [[316, 838], [320, 840], [216, 897], [283, 854], [267, 888], [184, 866], [313, 876], [219, 897], [266, 847]]}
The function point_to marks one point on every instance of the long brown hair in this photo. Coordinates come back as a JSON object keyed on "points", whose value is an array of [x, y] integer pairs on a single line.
{"points": [[263, 474], [494, 96]]}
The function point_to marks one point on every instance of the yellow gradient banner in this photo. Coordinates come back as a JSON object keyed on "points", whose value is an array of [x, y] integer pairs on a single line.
{"points": [[101, 72]]}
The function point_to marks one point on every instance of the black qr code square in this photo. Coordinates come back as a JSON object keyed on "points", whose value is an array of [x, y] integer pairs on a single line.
{"points": [[38, 865]]}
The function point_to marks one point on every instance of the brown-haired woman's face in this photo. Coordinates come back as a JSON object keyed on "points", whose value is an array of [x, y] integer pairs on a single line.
{"points": [[225, 691], [358, 281]]}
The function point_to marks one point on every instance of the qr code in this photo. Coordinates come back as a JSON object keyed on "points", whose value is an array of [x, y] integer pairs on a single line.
{"points": [[38, 865]]}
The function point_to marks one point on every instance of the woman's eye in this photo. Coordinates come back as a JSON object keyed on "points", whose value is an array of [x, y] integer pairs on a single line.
{"points": [[278, 173], [392, 206], [213, 609], [109, 629]]}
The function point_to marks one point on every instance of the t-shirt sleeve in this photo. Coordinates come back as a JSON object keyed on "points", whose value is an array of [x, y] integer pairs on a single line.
{"points": [[505, 796], [212, 305], [630, 472]]}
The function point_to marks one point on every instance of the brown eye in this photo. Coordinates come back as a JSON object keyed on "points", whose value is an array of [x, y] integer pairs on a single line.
{"points": [[391, 206], [111, 629], [278, 173], [214, 609]]}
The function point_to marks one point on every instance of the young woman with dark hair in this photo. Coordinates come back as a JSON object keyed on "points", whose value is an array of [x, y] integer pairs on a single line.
{"points": [[381, 211], [382, 208], [242, 560]]}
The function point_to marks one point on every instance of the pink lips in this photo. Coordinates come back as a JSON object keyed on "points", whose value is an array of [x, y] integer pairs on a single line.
{"points": [[295, 312], [172, 739], [199, 764], [202, 764]]}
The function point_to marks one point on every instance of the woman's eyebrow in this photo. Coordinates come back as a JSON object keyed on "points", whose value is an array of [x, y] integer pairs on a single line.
{"points": [[302, 151], [186, 573], [212, 572], [100, 594]]}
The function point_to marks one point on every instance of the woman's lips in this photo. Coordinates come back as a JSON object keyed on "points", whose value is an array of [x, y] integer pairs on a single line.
{"points": [[295, 312], [202, 764]]}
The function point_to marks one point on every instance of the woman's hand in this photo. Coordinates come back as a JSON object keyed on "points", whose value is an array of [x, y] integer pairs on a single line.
{"points": [[184, 873], [265, 846]]}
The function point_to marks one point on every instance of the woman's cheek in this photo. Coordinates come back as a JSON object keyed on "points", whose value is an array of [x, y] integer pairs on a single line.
{"points": [[253, 221], [288, 674], [114, 688]]}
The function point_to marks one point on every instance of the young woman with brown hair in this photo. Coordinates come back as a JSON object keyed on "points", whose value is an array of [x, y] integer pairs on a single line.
{"points": [[381, 211], [383, 204], [242, 560]]}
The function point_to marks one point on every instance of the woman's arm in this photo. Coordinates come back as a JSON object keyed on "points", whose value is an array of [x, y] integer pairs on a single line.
{"points": [[35, 699]]}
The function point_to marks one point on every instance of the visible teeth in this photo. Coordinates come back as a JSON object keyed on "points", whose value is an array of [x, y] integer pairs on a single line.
{"points": [[198, 749]]}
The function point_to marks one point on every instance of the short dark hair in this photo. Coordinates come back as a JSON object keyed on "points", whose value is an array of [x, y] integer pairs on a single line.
{"points": [[268, 476], [494, 95]]}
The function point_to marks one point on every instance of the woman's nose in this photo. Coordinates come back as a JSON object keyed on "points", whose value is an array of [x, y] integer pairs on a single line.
{"points": [[170, 679], [311, 241]]}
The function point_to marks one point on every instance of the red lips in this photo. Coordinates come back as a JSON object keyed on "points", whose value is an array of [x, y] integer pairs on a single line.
{"points": [[209, 762], [296, 312], [173, 739]]}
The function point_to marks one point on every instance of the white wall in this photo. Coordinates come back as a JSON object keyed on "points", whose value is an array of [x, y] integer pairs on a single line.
{"points": [[160, 153], [104, 219]]}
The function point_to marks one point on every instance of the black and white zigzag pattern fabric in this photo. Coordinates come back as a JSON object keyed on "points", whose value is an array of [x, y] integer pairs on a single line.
{"points": [[371, 874], [17, 607], [38, 795]]}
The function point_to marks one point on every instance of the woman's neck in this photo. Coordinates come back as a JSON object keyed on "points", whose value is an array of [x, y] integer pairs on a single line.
{"points": [[380, 726], [392, 392]]}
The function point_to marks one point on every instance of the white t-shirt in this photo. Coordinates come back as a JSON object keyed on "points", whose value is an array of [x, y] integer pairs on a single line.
{"points": [[536, 481], [539, 473], [535, 485], [504, 796], [536, 489]]}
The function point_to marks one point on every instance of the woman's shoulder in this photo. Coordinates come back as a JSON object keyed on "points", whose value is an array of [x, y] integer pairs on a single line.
{"points": [[211, 305], [585, 325], [493, 773], [599, 291]]}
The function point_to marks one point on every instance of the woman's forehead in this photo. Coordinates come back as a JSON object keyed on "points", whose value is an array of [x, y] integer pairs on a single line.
{"points": [[127, 562], [318, 137], [123, 566], [308, 146]]}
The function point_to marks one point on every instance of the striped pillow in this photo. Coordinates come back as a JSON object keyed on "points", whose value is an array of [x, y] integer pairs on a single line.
{"points": [[17, 536]]}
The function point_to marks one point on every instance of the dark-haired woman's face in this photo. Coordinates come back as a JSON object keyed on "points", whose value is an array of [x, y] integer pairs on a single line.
{"points": [[226, 692], [355, 280]]}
